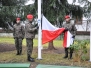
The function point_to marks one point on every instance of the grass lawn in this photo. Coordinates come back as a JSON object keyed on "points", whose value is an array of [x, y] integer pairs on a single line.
{"points": [[49, 56], [9, 40]]}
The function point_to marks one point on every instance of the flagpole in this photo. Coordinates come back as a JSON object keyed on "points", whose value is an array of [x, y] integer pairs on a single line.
{"points": [[39, 31]]}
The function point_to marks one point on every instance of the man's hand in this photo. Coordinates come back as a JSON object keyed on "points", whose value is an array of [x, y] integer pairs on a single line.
{"points": [[36, 28], [36, 25], [73, 36], [66, 29]]}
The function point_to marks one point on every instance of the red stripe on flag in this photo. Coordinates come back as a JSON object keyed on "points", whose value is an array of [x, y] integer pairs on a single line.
{"points": [[48, 36], [65, 40]]}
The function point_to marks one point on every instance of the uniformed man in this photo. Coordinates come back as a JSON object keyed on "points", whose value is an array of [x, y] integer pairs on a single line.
{"points": [[30, 35], [69, 26], [18, 34]]}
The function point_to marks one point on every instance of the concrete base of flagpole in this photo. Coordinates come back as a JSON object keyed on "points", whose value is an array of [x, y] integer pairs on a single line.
{"points": [[39, 58], [89, 60]]}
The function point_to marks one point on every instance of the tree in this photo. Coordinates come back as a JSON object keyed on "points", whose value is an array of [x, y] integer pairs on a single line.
{"points": [[12, 2], [86, 8], [10, 9]]}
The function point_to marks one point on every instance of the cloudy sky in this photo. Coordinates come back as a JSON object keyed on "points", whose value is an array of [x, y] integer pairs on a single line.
{"points": [[32, 1], [69, 1]]}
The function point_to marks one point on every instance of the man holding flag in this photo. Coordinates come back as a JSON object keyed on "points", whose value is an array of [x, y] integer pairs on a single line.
{"points": [[69, 26], [30, 31]]}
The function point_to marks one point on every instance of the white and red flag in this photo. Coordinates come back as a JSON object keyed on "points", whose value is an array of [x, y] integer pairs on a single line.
{"points": [[68, 40], [50, 32]]}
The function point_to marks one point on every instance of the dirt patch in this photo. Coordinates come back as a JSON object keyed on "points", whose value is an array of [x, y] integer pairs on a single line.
{"points": [[11, 47], [6, 47], [57, 50]]}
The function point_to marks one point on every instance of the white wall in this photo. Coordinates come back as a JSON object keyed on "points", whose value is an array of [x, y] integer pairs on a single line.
{"points": [[84, 26], [6, 34]]}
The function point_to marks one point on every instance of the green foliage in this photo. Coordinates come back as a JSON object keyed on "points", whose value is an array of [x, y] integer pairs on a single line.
{"points": [[10, 9], [80, 48], [12, 2], [9, 13], [86, 8], [54, 10]]}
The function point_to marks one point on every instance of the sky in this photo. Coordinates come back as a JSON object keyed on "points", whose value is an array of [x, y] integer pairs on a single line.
{"points": [[89, 0], [76, 3], [69, 1], [30, 2]]}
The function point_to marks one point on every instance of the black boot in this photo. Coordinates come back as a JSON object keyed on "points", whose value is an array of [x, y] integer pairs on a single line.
{"points": [[17, 52], [30, 59], [71, 52], [66, 56], [20, 51], [66, 53], [70, 56]]}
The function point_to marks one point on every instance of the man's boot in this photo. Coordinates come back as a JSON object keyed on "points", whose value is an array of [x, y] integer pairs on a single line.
{"points": [[66, 53], [70, 56], [71, 52], [20, 51], [17, 52], [30, 59]]}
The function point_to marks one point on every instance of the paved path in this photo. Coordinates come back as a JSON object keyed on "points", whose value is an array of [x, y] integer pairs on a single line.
{"points": [[29, 65], [15, 65], [55, 66]]}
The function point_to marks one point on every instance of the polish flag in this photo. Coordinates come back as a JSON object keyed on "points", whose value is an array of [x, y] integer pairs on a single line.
{"points": [[68, 40], [49, 32]]}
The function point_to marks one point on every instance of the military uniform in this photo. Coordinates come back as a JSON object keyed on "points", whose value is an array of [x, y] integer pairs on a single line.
{"points": [[18, 34], [71, 27], [29, 35]]}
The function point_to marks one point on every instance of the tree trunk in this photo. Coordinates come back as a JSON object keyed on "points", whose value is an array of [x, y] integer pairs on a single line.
{"points": [[51, 46]]}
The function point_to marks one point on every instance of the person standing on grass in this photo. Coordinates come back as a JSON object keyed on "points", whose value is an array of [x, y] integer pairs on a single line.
{"points": [[30, 31], [18, 34], [69, 26]]}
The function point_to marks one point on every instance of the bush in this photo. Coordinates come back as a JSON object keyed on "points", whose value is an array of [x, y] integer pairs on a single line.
{"points": [[80, 49]]}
